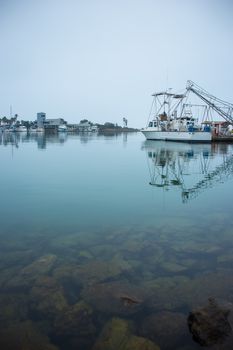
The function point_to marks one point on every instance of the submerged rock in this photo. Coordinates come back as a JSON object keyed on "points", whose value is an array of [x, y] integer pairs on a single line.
{"points": [[168, 329], [75, 320], [209, 325], [41, 266], [113, 336], [14, 307], [120, 297], [99, 270], [24, 336], [139, 343], [173, 267], [116, 335], [170, 293], [47, 297], [75, 326], [28, 275]]}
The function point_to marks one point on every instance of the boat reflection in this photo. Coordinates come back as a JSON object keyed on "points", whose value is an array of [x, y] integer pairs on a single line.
{"points": [[10, 138], [189, 168]]}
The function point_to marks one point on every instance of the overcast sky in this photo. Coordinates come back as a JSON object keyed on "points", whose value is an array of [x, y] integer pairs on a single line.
{"points": [[102, 59]]}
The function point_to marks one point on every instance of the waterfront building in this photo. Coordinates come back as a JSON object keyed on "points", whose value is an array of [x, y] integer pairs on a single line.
{"points": [[54, 122], [41, 117]]}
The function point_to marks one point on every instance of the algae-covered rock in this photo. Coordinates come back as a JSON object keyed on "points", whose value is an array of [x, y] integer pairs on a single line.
{"points": [[139, 343], [41, 266], [47, 297], [28, 275], [100, 270], [168, 329], [24, 336], [116, 335]]}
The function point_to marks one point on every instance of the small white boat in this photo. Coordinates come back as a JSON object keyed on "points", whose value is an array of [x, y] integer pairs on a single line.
{"points": [[32, 130], [21, 128], [62, 128]]}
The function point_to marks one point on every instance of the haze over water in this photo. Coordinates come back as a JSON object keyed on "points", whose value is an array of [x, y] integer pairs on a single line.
{"points": [[102, 232]]}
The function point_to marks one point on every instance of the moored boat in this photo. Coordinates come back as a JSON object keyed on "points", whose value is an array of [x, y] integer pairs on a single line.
{"points": [[173, 121], [62, 128], [21, 128]]}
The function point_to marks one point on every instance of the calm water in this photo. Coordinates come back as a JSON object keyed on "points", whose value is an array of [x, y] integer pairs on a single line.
{"points": [[108, 239]]}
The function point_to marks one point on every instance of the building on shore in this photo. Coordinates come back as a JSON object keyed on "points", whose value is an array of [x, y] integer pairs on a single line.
{"points": [[220, 128], [51, 124], [41, 117]]}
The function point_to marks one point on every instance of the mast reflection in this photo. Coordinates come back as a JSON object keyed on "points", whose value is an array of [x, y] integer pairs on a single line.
{"points": [[189, 168]]}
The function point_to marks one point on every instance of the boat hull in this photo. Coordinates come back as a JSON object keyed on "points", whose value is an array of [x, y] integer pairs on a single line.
{"points": [[178, 136]]}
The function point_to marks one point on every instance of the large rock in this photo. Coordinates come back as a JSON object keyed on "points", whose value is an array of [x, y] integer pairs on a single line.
{"points": [[209, 325]]}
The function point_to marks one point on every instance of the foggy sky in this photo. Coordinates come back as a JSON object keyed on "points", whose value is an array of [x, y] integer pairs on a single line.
{"points": [[102, 59]]}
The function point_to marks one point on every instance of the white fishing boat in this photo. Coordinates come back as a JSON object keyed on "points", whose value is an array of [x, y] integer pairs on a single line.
{"points": [[172, 120]]}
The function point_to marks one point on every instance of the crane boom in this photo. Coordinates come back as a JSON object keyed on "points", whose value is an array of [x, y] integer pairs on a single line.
{"points": [[223, 108]]}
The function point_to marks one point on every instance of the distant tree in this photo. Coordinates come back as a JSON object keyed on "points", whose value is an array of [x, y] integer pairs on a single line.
{"points": [[109, 125], [5, 120], [84, 121], [63, 121]]}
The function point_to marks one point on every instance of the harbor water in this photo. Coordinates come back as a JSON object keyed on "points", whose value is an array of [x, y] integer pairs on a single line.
{"points": [[110, 241]]}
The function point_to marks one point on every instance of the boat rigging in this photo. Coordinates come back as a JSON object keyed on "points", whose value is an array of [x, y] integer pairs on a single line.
{"points": [[223, 108]]}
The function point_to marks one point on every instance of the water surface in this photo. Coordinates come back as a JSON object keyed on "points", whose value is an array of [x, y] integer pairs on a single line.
{"points": [[101, 233]]}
